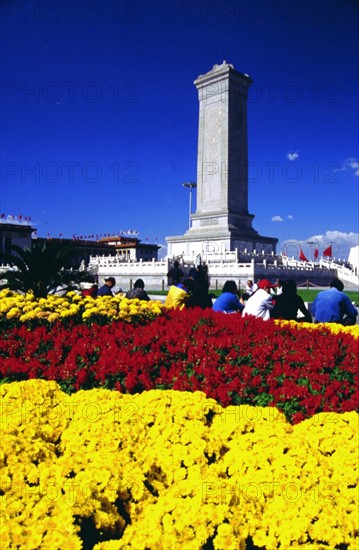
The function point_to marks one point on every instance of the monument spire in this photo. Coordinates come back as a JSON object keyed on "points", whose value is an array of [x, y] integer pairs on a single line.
{"points": [[222, 222], [222, 163]]}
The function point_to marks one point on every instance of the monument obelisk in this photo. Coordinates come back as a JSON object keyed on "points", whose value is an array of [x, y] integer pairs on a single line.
{"points": [[221, 221]]}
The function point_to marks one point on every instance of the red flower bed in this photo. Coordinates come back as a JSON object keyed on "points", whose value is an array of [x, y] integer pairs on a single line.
{"points": [[231, 359]]}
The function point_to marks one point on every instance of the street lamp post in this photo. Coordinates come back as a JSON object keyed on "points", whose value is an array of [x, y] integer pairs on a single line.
{"points": [[190, 185]]}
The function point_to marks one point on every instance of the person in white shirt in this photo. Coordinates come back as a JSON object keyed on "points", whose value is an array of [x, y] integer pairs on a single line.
{"points": [[250, 287], [277, 289], [260, 303]]}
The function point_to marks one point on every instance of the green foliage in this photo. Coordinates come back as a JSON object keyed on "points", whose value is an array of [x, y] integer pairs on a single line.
{"points": [[40, 269]]}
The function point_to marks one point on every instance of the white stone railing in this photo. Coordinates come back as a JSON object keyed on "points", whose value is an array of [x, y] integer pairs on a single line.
{"points": [[107, 261], [258, 265], [8, 267], [344, 273], [211, 257]]}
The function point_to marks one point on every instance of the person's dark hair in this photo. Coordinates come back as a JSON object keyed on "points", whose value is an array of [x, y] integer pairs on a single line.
{"points": [[230, 286], [336, 283], [139, 284], [289, 286], [176, 264], [188, 284]]}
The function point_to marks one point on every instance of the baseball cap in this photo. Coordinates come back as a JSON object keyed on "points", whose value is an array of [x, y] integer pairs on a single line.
{"points": [[111, 280], [264, 283]]}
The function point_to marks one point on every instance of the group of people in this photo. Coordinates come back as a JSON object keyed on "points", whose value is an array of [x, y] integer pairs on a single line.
{"points": [[107, 290], [281, 301], [191, 291], [263, 300]]}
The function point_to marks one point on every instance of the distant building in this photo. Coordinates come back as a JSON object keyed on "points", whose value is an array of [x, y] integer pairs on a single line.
{"points": [[22, 234], [125, 248], [131, 248], [12, 233], [82, 249]]}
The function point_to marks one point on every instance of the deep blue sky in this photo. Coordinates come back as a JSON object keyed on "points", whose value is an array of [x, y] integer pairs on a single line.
{"points": [[100, 114]]}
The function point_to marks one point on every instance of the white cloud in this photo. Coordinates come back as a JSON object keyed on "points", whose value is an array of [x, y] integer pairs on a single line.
{"points": [[280, 219], [293, 156], [353, 164], [350, 164], [340, 241]]}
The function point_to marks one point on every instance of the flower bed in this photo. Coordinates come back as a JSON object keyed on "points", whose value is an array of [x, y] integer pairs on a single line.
{"points": [[105, 470], [166, 469], [231, 359], [26, 308]]}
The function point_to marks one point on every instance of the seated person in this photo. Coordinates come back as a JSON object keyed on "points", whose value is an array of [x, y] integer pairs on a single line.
{"points": [[178, 296], [199, 291], [90, 290], [174, 274], [250, 287], [228, 301], [333, 306], [287, 304], [106, 289], [138, 291], [260, 303]]}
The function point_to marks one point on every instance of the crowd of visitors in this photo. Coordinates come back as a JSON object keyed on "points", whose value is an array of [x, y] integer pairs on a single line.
{"points": [[262, 300]]}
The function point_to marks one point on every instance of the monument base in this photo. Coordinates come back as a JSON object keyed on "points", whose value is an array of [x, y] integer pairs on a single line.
{"points": [[221, 243]]}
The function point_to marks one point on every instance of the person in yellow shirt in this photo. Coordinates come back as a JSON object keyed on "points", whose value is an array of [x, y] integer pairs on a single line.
{"points": [[179, 294]]}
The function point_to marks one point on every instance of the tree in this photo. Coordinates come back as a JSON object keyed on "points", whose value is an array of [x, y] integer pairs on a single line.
{"points": [[41, 269]]}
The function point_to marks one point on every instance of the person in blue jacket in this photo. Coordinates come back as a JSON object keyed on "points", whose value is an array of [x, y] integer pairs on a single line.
{"points": [[333, 306], [228, 301], [106, 289]]}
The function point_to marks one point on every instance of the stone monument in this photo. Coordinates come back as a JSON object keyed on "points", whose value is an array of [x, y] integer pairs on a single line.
{"points": [[221, 222]]}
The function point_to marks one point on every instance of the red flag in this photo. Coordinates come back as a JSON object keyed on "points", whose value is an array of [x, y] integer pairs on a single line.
{"points": [[316, 253], [328, 251], [302, 256]]}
